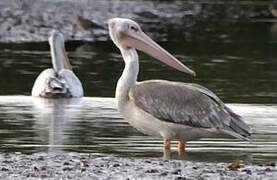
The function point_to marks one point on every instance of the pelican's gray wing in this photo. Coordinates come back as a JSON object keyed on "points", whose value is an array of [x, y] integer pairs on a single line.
{"points": [[187, 104]]}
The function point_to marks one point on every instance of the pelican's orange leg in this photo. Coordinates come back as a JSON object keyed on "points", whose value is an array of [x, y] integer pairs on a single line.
{"points": [[166, 148], [181, 148]]}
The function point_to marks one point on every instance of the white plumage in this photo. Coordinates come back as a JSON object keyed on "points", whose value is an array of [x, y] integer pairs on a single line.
{"points": [[59, 81]]}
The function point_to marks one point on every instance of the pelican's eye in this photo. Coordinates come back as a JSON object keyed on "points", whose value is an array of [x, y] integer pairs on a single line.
{"points": [[133, 28]]}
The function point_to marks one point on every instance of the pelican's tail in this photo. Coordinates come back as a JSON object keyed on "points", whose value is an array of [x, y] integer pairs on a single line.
{"points": [[237, 127], [56, 88]]}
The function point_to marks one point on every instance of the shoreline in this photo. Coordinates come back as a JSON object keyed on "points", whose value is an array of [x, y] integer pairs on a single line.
{"points": [[88, 166]]}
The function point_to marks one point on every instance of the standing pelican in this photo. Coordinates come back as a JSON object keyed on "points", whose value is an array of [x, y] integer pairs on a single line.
{"points": [[59, 81], [171, 110]]}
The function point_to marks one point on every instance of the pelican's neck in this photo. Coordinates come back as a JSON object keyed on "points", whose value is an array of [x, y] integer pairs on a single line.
{"points": [[128, 78], [56, 55]]}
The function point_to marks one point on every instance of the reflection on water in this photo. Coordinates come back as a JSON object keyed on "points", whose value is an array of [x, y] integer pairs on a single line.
{"points": [[54, 118], [92, 125]]}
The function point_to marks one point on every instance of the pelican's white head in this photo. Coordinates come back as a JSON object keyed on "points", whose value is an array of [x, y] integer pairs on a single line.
{"points": [[119, 29], [126, 34], [59, 57]]}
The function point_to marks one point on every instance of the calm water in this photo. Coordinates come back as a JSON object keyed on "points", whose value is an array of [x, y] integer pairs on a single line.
{"points": [[235, 59], [92, 125]]}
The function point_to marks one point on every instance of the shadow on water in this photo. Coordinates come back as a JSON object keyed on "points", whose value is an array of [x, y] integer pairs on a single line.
{"points": [[92, 125]]}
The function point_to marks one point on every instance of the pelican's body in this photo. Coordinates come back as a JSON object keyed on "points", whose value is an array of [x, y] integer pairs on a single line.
{"points": [[59, 81], [171, 110], [177, 111]]}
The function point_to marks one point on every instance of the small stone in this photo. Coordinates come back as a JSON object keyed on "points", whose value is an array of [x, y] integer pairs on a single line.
{"points": [[116, 165], [181, 178], [66, 163], [41, 158], [4, 169], [43, 176], [208, 171], [233, 169], [177, 171], [267, 169], [67, 169], [235, 166], [164, 173], [248, 171], [85, 164], [152, 171], [7, 162]]}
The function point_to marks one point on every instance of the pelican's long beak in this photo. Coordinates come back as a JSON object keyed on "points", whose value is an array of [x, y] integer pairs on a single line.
{"points": [[139, 40], [66, 62]]}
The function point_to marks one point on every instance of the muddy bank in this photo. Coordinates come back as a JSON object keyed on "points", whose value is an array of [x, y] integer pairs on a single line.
{"points": [[85, 166], [31, 20]]}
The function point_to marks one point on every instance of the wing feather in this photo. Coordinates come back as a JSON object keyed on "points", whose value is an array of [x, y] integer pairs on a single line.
{"points": [[187, 104]]}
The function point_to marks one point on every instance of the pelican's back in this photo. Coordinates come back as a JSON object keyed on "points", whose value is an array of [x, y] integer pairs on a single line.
{"points": [[63, 84]]}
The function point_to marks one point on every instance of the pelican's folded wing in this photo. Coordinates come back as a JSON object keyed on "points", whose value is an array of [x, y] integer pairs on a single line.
{"points": [[187, 104]]}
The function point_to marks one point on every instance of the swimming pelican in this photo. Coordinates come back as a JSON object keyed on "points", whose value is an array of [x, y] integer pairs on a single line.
{"points": [[170, 110], [59, 81]]}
